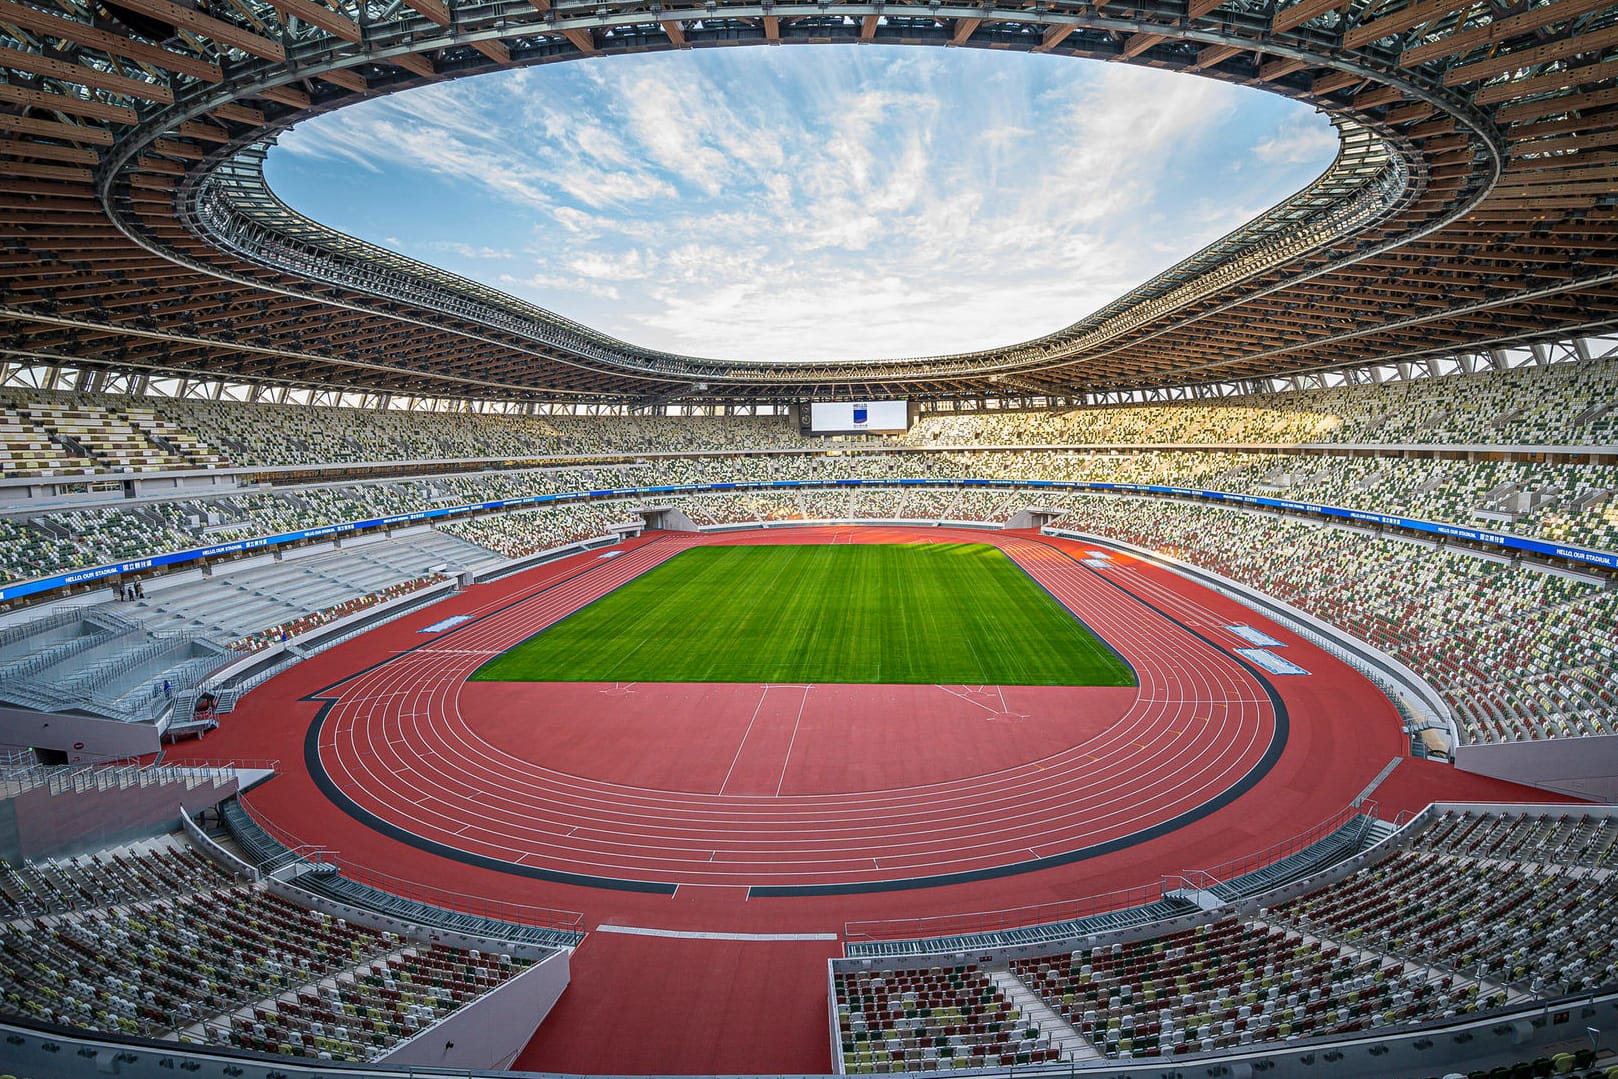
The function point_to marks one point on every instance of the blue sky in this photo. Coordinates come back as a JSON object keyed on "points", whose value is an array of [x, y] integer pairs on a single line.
{"points": [[797, 203]]}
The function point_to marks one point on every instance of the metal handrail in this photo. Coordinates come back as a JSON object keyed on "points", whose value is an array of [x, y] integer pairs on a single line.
{"points": [[523, 914], [994, 921], [952, 925], [1227, 871]]}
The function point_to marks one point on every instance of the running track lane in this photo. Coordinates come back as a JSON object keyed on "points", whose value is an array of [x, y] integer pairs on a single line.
{"points": [[392, 747]]}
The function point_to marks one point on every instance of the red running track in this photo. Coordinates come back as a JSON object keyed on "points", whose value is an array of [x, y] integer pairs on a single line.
{"points": [[668, 776], [410, 742]]}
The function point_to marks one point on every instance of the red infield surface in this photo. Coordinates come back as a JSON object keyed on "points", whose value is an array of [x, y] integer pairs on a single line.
{"points": [[783, 811]]}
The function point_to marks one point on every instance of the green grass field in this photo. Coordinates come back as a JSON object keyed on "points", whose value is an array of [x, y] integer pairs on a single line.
{"points": [[945, 613]]}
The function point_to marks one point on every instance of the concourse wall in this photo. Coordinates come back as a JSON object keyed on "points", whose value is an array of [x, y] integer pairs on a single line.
{"points": [[1583, 767]]}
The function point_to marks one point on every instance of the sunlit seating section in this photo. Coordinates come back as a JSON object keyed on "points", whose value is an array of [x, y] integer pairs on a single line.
{"points": [[926, 1020], [153, 940], [262, 434], [967, 504], [108, 438], [1560, 404], [1225, 984], [1565, 503], [1496, 897], [1268, 422], [271, 434], [155, 967], [47, 432], [525, 532], [879, 504], [186, 445], [29, 551], [675, 434], [26, 449], [1518, 654], [98, 536]]}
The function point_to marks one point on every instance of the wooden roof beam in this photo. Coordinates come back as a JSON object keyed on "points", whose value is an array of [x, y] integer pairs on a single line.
{"points": [[1515, 60], [1585, 75], [415, 63], [868, 28], [1054, 36], [1138, 43], [1280, 68], [434, 10], [1521, 188], [1551, 106], [315, 14], [583, 40], [348, 80], [49, 151], [1543, 128], [67, 104], [218, 31], [52, 129], [1333, 81], [1409, 18], [45, 172], [1404, 114], [1214, 55], [241, 114], [80, 75], [1296, 15], [1585, 141], [196, 129], [286, 95], [494, 50], [964, 28], [1526, 22], [113, 44], [1373, 96]]}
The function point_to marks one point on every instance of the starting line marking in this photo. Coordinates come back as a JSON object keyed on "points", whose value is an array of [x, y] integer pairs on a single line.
{"points": [[687, 934]]}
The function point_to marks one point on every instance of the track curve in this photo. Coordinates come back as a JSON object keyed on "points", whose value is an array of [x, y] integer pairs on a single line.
{"points": [[393, 746]]}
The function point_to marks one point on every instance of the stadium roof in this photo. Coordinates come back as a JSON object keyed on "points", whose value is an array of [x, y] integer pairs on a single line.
{"points": [[1471, 204]]}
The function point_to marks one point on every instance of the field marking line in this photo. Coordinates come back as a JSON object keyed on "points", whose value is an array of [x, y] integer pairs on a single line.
{"points": [[794, 740], [967, 699], [764, 691]]}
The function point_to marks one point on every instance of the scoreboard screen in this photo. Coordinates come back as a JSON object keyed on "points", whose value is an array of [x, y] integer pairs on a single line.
{"points": [[848, 417]]}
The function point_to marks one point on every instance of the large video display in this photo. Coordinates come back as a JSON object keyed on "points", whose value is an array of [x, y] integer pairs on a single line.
{"points": [[844, 417]]}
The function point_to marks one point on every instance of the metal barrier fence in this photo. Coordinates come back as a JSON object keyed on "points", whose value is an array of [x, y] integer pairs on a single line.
{"points": [[43, 624], [63, 779], [1225, 872], [995, 921], [524, 914], [1067, 910]]}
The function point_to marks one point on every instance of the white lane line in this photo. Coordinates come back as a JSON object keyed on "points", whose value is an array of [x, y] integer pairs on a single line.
{"points": [[687, 934]]}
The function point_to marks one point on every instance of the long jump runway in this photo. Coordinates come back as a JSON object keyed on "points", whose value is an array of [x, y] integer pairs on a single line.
{"points": [[798, 790]]}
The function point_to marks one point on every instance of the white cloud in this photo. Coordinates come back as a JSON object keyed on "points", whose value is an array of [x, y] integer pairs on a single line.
{"points": [[820, 203], [630, 266], [1297, 141], [471, 251]]}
